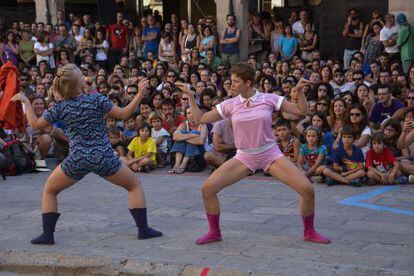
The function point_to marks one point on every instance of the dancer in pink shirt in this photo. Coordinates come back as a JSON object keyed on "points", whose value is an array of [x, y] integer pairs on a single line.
{"points": [[251, 115]]}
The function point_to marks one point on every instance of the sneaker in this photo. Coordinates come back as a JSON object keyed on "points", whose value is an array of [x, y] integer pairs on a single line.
{"points": [[371, 182], [355, 183], [316, 179], [402, 180], [411, 179], [332, 182]]}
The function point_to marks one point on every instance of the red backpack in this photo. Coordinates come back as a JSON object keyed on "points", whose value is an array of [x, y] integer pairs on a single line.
{"points": [[17, 159]]}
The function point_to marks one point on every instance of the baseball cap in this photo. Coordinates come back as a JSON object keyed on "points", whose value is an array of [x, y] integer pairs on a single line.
{"points": [[401, 19]]}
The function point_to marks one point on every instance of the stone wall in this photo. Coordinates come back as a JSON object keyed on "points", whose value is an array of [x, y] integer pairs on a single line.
{"points": [[402, 6]]}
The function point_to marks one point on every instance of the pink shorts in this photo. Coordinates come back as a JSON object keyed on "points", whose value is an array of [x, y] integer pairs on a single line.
{"points": [[261, 160]]}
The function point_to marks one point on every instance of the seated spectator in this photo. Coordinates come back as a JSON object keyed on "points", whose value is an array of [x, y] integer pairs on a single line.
{"points": [[288, 144], [339, 84], [385, 107], [162, 138], [318, 120], [223, 142], [117, 145], [130, 130], [312, 154], [171, 120], [392, 130], [142, 151], [383, 167], [188, 143], [348, 166], [211, 60]]}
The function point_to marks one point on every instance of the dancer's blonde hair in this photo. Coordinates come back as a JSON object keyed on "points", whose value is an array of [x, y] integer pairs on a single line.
{"points": [[66, 83]]}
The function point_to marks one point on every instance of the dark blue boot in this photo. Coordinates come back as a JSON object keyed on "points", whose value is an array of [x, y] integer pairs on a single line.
{"points": [[49, 222], [140, 217]]}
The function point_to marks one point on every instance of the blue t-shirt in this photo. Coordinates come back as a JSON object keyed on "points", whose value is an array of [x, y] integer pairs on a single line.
{"points": [[379, 113], [311, 155], [153, 44], [288, 45], [327, 141], [130, 133], [345, 161]]}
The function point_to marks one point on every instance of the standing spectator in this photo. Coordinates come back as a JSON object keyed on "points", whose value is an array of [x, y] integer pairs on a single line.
{"points": [[288, 44], [375, 18], [65, 41], [353, 31], [102, 50], [10, 48], [189, 41], [308, 42], [60, 19], [117, 35], [229, 41], [405, 41], [276, 36], [208, 41], [167, 51], [151, 35], [256, 35], [26, 48], [298, 28], [372, 47], [44, 50], [136, 44], [388, 36]]}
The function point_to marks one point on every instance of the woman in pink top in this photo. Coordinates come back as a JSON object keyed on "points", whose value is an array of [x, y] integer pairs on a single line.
{"points": [[251, 115]]}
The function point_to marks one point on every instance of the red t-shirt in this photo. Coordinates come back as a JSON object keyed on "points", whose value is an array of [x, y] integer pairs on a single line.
{"points": [[118, 35], [381, 161], [178, 120]]}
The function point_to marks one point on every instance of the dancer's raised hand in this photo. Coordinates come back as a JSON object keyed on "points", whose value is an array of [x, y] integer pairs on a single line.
{"points": [[183, 87], [19, 97], [143, 84]]}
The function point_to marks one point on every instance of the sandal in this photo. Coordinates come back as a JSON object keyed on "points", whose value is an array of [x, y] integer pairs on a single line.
{"points": [[173, 170], [180, 170]]}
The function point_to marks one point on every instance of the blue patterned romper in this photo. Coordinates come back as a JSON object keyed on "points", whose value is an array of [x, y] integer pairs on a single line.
{"points": [[89, 146]]}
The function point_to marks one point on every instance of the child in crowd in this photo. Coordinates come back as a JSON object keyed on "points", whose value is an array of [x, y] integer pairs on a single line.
{"points": [[319, 121], [288, 144], [383, 167], [117, 145], [130, 130], [313, 152], [392, 130], [161, 137], [348, 166], [142, 151]]}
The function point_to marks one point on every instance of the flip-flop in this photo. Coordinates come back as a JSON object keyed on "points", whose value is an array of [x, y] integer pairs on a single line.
{"points": [[173, 170]]}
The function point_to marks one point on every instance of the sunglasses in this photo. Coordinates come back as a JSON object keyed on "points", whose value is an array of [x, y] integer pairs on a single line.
{"points": [[220, 69], [355, 114], [171, 76], [184, 99], [132, 93], [357, 79], [410, 98]]}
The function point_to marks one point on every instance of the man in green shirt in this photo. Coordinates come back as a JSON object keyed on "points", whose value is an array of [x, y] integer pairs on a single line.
{"points": [[405, 41]]}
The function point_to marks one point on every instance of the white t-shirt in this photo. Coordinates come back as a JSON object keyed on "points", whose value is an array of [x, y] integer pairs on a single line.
{"points": [[100, 53], [160, 133], [297, 28], [386, 34], [338, 90], [50, 59], [366, 131]]}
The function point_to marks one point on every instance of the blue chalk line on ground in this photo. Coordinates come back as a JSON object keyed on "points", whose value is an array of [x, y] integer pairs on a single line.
{"points": [[356, 201]]}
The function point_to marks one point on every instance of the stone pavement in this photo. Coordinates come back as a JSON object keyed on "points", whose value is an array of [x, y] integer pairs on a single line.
{"points": [[260, 226]]}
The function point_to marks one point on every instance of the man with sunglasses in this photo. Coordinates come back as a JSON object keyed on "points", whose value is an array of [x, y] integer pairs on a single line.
{"points": [[339, 85], [385, 108], [399, 114]]}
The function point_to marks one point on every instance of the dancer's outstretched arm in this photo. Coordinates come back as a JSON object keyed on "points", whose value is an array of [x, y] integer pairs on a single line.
{"points": [[125, 112], [34, 121], [199, 116]]}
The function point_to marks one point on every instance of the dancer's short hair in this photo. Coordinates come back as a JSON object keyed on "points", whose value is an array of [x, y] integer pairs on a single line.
{"points": [[243, 71], [66, 83]]}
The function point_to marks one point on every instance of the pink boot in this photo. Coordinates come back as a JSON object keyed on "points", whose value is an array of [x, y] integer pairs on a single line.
{"points": [[213, 235], [309, 233]]}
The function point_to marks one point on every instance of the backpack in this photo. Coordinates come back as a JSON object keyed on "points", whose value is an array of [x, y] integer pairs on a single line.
{"points": [[17, 159]]}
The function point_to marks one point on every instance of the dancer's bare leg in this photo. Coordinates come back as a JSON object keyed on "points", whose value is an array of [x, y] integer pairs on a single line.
{"points": [[283, 170]]}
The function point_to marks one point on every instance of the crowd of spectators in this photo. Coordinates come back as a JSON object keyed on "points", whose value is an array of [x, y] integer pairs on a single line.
{"points": [[361, 120]]}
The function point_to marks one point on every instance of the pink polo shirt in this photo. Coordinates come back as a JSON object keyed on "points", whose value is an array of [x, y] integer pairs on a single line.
{"points": [[252, 125]]}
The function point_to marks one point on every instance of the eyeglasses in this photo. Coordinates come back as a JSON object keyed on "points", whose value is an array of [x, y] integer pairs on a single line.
{"points": [[355, 114], [324, 104]]}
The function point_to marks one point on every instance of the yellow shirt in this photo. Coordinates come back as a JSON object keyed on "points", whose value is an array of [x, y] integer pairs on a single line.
{"points": [[139, 149]]}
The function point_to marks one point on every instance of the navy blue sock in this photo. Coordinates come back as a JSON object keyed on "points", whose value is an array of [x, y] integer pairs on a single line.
{"points": [[144, 231]]}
